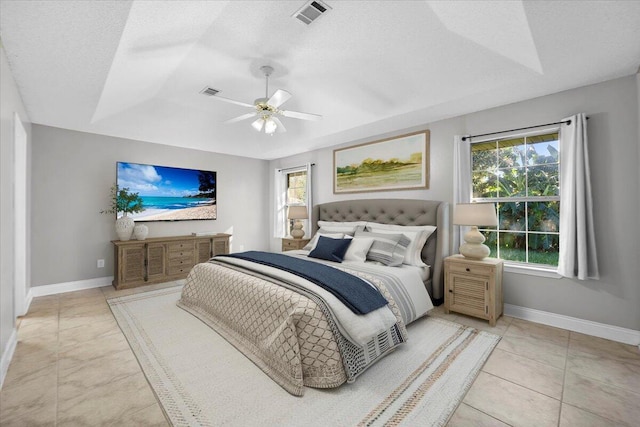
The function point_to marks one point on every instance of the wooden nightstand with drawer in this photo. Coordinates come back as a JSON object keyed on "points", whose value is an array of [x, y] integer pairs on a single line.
{"points": [[474, 287], [290, 244]]}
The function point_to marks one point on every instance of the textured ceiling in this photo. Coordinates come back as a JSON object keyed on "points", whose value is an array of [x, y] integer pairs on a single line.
{"points": [[135, 69]]}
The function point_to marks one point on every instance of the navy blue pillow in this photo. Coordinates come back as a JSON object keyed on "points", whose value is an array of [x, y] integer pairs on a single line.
{"points": [[330, 249]]}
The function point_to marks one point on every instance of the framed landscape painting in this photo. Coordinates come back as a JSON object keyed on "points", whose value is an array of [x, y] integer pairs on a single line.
{"points": [[398, 163]]}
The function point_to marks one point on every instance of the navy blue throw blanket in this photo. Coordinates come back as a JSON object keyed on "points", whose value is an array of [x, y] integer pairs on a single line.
{"points": [[352, 291]]}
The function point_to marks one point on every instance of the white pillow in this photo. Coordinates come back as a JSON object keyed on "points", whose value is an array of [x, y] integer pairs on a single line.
{"points": [[358, 249], [314, 241], [340, 227], [417, 234]]}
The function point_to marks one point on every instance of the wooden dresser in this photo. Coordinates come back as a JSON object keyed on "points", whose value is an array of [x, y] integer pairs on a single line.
{"points": [[162, 259]]}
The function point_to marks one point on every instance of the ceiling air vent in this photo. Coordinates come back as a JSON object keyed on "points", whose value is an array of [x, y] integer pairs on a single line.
{"points": [[209, 91], [311, 11]]}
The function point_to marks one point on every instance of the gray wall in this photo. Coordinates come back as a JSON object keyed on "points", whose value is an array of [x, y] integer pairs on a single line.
{"points": [[72, 173], [10, 102], [614, 153]]}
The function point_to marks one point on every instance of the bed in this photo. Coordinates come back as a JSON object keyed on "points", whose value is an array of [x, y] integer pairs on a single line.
{"points": [[303, 335]]}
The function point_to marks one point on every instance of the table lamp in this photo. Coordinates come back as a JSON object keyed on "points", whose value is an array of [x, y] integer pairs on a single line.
{"points": [[297, 213], [475, 214]]}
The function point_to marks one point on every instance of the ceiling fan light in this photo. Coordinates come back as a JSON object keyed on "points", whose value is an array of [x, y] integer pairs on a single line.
{"points": [[270, 126], [258, 124]]}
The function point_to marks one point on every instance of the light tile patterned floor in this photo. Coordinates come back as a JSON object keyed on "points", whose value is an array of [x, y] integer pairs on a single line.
{"points": [[73, 366]]}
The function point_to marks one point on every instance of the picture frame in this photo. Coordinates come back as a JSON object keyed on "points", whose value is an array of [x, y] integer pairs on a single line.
{"points": [[396, 163]]}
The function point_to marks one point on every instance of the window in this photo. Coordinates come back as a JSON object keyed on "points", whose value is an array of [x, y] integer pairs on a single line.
{"points": [[521, 175], [296, 192], [292, 186]]}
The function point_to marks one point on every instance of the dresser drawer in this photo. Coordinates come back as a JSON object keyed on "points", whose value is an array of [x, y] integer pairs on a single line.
{"points": [[180, 246], [181, 262], [185, 254], [179, 270], [475, 270]]}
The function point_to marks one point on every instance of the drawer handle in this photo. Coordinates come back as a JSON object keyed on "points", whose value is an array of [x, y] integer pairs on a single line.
{"points": [[468, 269], [450, 291]]}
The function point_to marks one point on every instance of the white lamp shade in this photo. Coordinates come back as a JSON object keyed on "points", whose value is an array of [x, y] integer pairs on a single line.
{"points": [[270, 126], [297, 212], [258, 124], [475, 214]]}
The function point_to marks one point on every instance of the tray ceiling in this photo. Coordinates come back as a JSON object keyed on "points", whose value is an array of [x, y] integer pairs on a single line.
{"points": [[135, 69]]}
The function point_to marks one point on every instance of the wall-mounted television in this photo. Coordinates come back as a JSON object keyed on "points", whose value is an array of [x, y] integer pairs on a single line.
{"points": [[170, 194]]}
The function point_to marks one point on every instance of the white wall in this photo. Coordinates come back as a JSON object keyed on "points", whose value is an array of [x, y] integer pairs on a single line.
{"points": [[614, 152], [72, 174], [10, 103]]}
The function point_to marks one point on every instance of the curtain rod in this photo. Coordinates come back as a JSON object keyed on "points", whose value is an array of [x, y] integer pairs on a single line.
{"points": [[295, 167], [464, 138]]}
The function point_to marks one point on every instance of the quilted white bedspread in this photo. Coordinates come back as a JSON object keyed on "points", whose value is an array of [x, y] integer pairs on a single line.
{"points": [[296, 334]]}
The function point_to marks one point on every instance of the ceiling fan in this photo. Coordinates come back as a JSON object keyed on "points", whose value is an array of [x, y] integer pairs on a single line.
{"points": [[267, 109]]}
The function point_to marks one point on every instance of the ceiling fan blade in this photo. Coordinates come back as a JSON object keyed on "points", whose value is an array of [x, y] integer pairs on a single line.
{"points": [[242, 117], [299, 115], [279, 98], [231, 101], [258, 124], [280, 127]]}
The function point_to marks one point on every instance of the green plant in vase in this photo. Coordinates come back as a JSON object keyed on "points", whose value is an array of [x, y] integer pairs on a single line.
{"points": [[124, 201]]}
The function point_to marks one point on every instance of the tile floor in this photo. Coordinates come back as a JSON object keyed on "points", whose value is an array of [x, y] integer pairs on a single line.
{"points": [[72, 366]]}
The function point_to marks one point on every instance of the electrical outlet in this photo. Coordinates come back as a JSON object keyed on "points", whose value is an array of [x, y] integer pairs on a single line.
{"points": [[100, 263]]}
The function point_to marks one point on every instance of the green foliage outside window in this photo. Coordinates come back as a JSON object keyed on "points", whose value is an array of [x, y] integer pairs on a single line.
{"points": [[521, 175], [296, 188]]}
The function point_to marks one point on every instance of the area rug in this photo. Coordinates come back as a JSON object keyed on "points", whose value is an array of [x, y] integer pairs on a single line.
{"points": [[202, 380]]}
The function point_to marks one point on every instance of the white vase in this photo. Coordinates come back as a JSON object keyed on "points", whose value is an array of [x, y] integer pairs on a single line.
{"points": [[124, 227], [140, 232]]}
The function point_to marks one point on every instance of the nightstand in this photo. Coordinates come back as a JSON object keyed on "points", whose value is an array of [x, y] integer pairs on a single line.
{"points": [[474, 287], [291, 244]]}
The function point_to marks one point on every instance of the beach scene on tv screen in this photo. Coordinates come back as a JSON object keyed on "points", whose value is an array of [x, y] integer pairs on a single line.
{"points": [[169, 194]]}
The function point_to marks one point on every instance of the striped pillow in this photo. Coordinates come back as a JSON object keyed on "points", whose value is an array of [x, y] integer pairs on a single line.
{"points": [[417, 234], [388, 249]]}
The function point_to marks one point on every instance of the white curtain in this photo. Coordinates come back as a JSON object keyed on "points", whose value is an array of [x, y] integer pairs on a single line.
{"points": [[577, 238], [461, 182], [280, 213], [309, 193]]}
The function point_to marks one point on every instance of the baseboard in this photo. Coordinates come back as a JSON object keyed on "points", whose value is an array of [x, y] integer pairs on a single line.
{"points": [[7, 355], [79, 285], [588, 327], [27, 301]]}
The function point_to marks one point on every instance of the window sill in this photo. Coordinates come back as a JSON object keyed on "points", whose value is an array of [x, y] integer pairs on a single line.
{"points": [[529, 270]]}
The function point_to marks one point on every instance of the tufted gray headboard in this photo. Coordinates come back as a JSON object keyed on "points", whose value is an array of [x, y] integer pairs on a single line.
{"points": [[399, 212]]}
